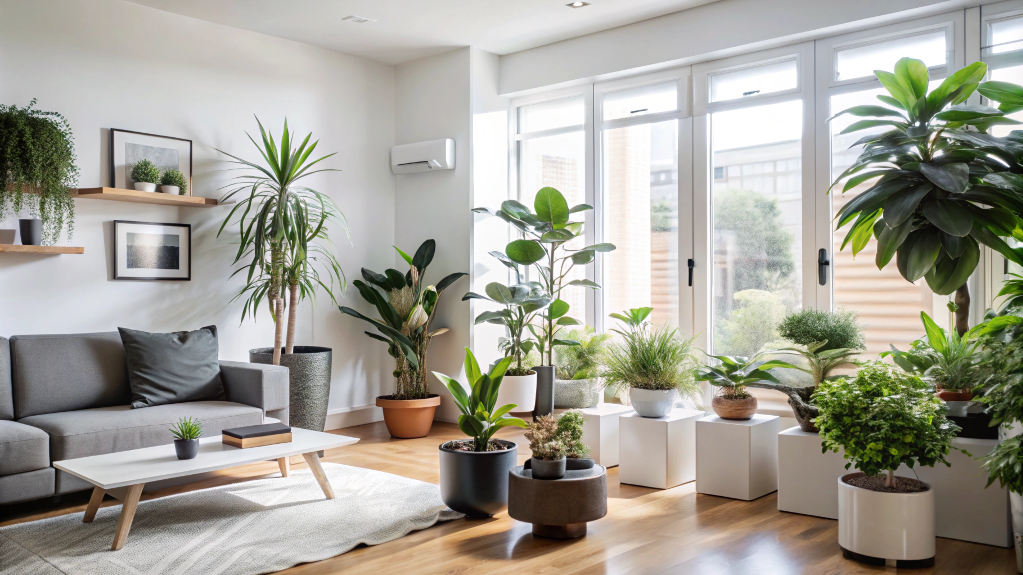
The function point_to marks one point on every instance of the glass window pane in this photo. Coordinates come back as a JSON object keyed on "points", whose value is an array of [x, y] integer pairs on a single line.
{"points": [[642, 100], [640, 182], [861, 61], [766, 79], [757, 224], [550, 115], [1006, 36], [557, 161]]}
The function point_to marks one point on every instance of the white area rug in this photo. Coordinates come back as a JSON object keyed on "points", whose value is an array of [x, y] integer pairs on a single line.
{"points": [[242, 529]]}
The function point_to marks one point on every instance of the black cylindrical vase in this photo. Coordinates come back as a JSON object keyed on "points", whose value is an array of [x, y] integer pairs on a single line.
{"points": [[544, 390], [31, 231], [308, 383], [186, 448], [476, 482]]}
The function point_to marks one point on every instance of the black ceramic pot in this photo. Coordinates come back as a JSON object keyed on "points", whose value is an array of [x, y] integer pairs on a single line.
{"points": [[544, 390], [186, 448], [308, 383], [545, 469], [476, 483], [31, 231]]}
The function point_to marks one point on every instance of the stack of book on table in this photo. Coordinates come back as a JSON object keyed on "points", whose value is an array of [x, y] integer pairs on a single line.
{"points": [[257, 435]]}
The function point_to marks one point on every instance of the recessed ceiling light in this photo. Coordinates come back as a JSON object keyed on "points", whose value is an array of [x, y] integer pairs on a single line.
{"points": [[577, 4], [358, 19]]}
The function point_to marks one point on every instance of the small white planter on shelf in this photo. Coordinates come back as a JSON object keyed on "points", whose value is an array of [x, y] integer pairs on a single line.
{"points": [[518, 389], [658, 452], [882, 528], [737, 458], [172, 190], [145, 187], [601, 431]]}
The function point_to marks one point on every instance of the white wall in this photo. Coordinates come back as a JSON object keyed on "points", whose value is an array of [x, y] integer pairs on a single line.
{"points": [[111, 64], [706, 32], [433, 102]]}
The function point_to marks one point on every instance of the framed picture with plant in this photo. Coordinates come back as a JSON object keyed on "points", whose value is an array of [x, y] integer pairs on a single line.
{"points": [[128, 148]]}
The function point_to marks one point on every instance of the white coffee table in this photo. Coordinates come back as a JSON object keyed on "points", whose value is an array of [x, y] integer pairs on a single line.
{"points": [[133, 469]]}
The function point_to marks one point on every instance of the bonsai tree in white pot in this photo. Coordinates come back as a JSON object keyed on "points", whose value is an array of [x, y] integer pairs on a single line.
{"points": [[146, 175], [884, 418]]}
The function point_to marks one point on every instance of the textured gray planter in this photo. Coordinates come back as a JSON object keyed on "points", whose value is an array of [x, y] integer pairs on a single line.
{"points": [[545, 469], [576, 393], [309, 381], [544, 390]]}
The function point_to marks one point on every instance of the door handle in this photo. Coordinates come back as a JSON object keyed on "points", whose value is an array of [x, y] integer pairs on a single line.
{"points": [[692, 264], [822, 266]]}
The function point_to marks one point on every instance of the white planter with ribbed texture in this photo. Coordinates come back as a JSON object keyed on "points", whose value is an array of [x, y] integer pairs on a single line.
{"points": [[518, 389], [878, 527]]}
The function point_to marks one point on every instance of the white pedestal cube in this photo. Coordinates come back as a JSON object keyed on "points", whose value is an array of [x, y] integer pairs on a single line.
{"points": [[737, 459], [600, 431], [807, 478], [964, 509], [658, 452]]}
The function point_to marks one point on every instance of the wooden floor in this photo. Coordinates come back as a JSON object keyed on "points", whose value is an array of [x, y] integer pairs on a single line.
{"points": [[645, 531]]}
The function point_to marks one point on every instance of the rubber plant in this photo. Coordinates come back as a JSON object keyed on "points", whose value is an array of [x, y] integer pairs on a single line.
{"points": [[282, 232], [37, 163], [546, 234], [941, 185], [406, 306]]}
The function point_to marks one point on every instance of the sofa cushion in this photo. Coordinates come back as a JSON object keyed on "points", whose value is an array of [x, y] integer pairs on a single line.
{"points": [[172, 367], [56, 373], [88, 432], [22, 448], [27, 486], [6, 394]]}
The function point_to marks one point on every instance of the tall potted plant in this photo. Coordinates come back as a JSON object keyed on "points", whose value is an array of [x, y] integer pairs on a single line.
{"points": [[406, 306], [474, 472], [942, 185], [881, 419], [544, 246], [283, 240], [38, 171], [522, 303], [577, 369]]}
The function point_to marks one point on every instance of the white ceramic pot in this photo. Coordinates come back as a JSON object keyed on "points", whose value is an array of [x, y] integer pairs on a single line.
{"points": [[886, 526], [518, 389], [172, 190], [145, 187], [652, 402]]}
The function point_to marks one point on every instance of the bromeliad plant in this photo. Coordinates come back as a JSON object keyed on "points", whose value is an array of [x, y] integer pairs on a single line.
{"points": [[481, 418], [282, 227], [941, 184], [523, 302], [187, 428], [828, 340], [734, 374], [406, 307], [547, 233]]}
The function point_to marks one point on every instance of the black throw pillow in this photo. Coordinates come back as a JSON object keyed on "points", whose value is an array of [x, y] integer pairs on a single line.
{"points": [[172, 367]]}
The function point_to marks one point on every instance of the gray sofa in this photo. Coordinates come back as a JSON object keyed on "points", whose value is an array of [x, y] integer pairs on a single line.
{"points": [[67, 396]]}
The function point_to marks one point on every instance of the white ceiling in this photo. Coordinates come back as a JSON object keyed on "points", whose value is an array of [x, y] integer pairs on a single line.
{"points": [[410, 29]]}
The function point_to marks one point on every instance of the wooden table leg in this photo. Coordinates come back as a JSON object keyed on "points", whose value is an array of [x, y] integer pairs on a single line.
{"points": [[94, 502], [285, 464], [314, 465], [131, 502]]}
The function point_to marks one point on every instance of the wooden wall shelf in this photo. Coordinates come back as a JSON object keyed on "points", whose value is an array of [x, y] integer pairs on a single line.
{"points": [[119, 195], [50, 250]]}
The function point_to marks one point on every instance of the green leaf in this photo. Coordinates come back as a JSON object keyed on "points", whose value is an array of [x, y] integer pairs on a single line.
{"points": [[913, 73], [1002, 92], [599, 248], [868, 111], [899, 90], [557, 236], [551, 207], [889, 242], [557, 308], [901, 205], [472, 369], [525, 252], [949, 216], [865, 124], [580, 208], [424, 255], [494, 317], [949, 177], [935, 335], [941, 96], [502, 294], [456, 390], [964, 113], [567, 321], [395, 278], [582, 258], [984, 236], [584, 283], [448, 280], [918, 254], [950, 274], [404, 256]]}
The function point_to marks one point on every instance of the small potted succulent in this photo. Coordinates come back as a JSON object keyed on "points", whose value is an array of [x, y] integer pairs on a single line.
{"points": [[577, 369], [548, 460], [173, 182], [145, 174], [731, 376], [882, 419], [654, 363], [474, 472], [187, 432]]}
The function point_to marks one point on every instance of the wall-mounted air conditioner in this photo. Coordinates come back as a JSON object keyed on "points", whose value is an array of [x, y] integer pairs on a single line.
{"points": [[423, 156]]}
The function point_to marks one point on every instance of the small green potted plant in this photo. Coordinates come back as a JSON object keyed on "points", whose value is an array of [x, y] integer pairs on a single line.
{"points": [[474, 472], [577, 369], [186, 432], [548, 459], [732, 376], [570, 429], [173, 182], [882, 419], [145, 175], [653, 363]]}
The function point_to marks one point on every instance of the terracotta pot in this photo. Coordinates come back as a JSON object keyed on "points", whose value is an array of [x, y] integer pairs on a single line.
{"points": [[409, 418], [955, 395], [739, 409]]}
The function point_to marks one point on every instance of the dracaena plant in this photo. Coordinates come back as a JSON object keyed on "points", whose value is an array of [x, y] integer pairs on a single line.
{"points": [[544, 246], [941, 185], [406, 306], [481, 417], [522, 302]]}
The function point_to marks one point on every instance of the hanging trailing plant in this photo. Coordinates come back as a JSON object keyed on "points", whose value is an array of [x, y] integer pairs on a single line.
{"points": [[37, 162]]}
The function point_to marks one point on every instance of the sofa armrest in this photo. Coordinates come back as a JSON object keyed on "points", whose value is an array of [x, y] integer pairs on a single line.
{"points": [[256, 384]]}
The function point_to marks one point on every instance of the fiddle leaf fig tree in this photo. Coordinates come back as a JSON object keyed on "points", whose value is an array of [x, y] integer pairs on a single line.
{"points": [[941, 185], [522, 303], [546, 233]]}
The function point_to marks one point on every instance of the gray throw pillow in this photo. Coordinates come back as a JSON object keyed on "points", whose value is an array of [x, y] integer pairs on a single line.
{"points": [[172, 367]]}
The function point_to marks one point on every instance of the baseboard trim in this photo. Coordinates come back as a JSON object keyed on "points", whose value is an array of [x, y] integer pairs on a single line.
{"points": [[341, 417]]}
